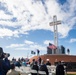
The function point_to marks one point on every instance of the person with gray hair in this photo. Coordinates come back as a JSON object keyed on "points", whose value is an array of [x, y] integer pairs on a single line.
{"points": [[13, 71], [48, 62]]}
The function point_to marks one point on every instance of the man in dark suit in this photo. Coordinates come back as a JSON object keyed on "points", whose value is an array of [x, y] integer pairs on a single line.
{"points": [[60, 69]]}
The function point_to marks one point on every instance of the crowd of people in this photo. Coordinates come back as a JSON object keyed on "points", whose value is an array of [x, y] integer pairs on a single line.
{"points": [[38, 65], [42, 66]]}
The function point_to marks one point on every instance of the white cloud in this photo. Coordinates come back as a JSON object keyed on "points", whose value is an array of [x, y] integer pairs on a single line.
{"points": [[27, 45], [4, 16], [5, 32], [28, 42], [21, 48], [15, 45], [32, 15], [72, 40], [46, 42], [37, 46], [10, 33]]}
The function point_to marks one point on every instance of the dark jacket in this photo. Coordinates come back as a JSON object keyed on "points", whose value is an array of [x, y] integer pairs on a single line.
{"points": [[35, 67], [60, 70], [44, 68], [17, 64], [4, 67], [48, 63]]}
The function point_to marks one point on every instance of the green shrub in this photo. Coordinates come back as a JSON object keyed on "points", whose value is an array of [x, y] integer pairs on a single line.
{"points": [[71, 74]]}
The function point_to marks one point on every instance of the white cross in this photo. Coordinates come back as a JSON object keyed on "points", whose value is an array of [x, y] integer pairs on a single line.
{"points": [[54, 24]]}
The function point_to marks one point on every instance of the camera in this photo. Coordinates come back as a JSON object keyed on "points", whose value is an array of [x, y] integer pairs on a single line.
{"points": [[6, 55]]}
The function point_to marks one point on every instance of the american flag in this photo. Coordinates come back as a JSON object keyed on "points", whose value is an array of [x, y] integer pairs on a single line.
{"points": [[51, 46]]}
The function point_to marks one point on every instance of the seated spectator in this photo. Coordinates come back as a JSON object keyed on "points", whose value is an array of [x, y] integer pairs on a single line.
{"points": [[43, 67], [48, 63], [35, 66], [39, 60], [13, 71]]}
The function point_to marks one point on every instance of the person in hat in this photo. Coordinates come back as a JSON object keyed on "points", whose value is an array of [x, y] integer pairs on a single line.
{"points": [[4, 64], [48, 62]]}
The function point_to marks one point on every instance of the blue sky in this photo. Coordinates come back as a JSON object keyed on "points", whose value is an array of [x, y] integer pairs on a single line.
{"points": [[24, 25]]}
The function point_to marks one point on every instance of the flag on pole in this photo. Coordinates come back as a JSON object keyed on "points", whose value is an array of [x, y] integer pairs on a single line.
{"points": [[51, 46], [38, 51]]}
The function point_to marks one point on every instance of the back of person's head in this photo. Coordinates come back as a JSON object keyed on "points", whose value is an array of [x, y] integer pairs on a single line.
{"points": [[12, 66], [59, 62], [35, 62]]}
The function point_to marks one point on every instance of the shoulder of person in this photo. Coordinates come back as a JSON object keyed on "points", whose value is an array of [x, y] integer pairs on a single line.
{"points": [[8, 73]]}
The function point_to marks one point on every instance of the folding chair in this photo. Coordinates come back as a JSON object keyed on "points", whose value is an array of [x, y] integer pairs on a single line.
{"points": [[41, 73], [33, 72]]}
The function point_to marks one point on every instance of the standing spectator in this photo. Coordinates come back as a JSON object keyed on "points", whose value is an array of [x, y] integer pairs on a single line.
{"points": [[39, 60], [13, 60], [13, 71], [60, 69], [56, 62], [4, 64], [33, 61], [19, 60], [22, 59]]}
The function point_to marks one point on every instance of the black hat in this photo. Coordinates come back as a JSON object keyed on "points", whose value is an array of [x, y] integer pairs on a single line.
{"points": [[1, 51]]}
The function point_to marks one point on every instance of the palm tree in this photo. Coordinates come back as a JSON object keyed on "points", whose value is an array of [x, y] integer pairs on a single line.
{"points": [[68, 51]]}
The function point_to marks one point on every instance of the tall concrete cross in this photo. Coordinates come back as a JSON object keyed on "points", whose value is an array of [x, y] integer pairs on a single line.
{"points": [[54, 24]]}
